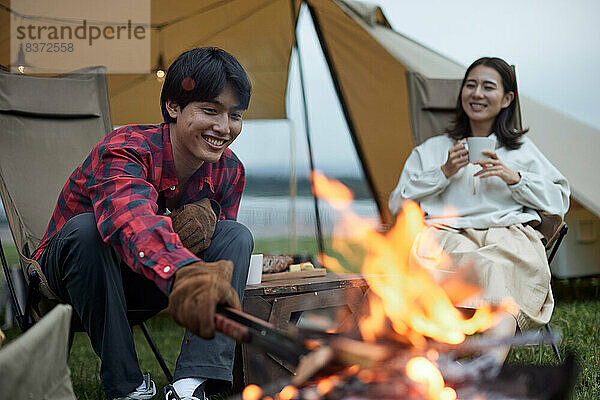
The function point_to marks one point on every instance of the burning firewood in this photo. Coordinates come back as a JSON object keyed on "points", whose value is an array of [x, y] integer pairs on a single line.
{"points": [[511, 382], [312, 363], [339, 353]]}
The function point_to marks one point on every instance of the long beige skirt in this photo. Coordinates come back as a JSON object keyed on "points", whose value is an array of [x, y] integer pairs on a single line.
{"points": [[510, 262]]}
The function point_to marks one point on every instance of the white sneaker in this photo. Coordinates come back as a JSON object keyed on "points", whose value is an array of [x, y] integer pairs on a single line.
{"points": [[171, 394], [144, 392]]}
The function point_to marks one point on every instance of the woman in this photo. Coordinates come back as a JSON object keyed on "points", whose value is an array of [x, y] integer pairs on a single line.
{"points": [[482, 212]]}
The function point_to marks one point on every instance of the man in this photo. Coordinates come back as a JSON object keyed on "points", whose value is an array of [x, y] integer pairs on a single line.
{"points": [[110, 246]]}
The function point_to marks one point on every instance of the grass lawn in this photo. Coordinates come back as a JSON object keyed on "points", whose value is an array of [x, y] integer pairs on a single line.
{"points": [[577, 316]]}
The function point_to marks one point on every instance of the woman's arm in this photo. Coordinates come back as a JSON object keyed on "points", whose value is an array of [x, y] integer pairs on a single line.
{"points": [[537, 191], [542, 186], [539, 185]]}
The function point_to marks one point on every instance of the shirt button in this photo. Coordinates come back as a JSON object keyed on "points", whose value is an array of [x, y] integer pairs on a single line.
{"points": [[167, 269], [141, 254], [172, 188]]}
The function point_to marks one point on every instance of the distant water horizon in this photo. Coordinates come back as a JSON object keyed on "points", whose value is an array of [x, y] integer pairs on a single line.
{"points": [[271, 216]]}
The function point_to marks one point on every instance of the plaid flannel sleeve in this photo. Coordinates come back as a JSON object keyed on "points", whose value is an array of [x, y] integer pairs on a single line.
{"points": [[232, 196], [125, 206]]}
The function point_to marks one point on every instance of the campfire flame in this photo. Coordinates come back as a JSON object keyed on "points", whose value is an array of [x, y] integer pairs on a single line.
{"points": [[423, 371], [406, 293]]}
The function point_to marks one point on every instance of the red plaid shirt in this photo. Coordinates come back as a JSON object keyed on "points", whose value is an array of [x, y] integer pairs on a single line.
{"points": [[125, 182]]}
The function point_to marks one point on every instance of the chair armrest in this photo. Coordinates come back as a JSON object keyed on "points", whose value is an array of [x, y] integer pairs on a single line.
{"points": [[550, 227]]}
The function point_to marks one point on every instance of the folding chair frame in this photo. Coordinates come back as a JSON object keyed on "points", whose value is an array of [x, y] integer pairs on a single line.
{"points": [[553, 249], [25, 317], [24, 323]]}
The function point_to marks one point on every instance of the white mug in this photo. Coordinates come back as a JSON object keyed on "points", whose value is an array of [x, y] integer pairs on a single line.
{"points": [[477, 144], [255, 269]]}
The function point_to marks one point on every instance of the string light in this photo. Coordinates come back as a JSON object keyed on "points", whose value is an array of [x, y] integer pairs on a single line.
{"points": [[21, 64], [160, 67]]}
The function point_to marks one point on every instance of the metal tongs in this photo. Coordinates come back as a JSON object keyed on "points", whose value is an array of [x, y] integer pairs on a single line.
{"points": [[245, 328]]}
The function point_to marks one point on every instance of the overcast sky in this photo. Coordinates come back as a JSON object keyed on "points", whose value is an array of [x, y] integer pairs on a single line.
{"points": [[555, 46]]}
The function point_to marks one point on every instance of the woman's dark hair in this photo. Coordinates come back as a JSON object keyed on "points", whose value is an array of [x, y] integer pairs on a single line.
{"points": [[507, 136], [201, 75]]}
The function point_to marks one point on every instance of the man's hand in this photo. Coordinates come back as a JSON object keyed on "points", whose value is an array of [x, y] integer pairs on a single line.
{"points": [[195, 225], [197, 290], [458, 157], [493, 166]]}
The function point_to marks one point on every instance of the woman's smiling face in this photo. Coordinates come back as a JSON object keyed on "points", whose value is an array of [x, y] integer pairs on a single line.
{"points": [[483, 96]]}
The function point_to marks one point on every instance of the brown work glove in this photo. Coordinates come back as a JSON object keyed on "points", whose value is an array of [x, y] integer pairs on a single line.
{"points": [[197, 290], [195, 225]]}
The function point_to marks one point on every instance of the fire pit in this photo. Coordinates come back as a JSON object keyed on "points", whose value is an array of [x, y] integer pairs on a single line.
{"points": [[409, 340], [337, 366]]}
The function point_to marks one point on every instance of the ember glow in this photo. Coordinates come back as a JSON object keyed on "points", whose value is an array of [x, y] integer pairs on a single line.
{"points": [[406, 293], [288, 393], [252, 392], [423, 371]]}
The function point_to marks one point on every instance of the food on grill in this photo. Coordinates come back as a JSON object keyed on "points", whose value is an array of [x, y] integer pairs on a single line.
{"points": [[301, 267], [295, 268], [306, 265], [276, 263]]}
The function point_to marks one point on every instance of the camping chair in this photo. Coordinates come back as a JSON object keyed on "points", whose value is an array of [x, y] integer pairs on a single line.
{"points": [[553, 228], [49, 125], [432, 108], [28, 373]]}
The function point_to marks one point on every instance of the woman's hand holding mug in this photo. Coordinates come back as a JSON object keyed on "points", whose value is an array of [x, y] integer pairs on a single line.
{"points": [[458, 157], [492, 166]]}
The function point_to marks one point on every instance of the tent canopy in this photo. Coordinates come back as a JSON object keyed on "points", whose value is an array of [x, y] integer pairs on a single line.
{"points": [[384, 139], [368, 62], [259, 33]]}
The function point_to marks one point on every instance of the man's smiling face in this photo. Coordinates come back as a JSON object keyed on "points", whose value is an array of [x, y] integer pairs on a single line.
{"points": [[204, 129]]}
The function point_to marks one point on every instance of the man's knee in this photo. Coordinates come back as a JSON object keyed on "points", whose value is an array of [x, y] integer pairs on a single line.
{"points": [[236, 232], [244, 236], [83, 245], [81, 230]]}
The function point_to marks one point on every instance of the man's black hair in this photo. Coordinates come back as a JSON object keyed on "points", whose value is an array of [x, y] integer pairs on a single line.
{"points": [[201, 74]]}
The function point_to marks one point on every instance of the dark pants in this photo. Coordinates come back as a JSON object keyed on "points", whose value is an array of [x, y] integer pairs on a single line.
{"points": [[87, 273]]}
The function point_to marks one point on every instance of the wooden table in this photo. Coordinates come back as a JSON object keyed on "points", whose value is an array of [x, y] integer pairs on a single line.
{"points": [[281, 303]]}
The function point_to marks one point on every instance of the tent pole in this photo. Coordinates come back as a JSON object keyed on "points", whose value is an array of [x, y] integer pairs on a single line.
{"points": [[384, 214], [293, 186], [307, 128]]}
